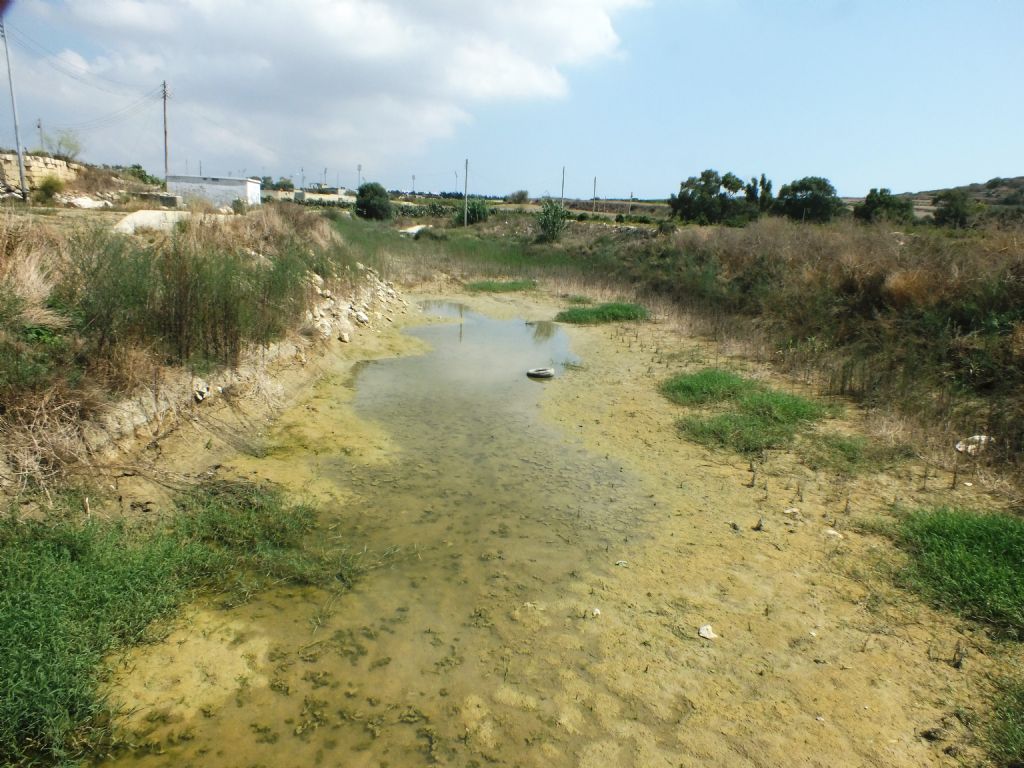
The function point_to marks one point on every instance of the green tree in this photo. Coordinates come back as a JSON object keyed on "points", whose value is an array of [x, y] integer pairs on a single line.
{"points": [[882, 205], [759, 193], [811, 198], [712, 199], [552, 220], [67, 145], [519, 197], [953, 208], [372, 202]]}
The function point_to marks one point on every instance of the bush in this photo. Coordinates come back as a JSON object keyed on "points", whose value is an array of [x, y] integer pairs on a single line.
{"points": [[372, 202], [139, 173], [552, 220], [48, 188], [475, 212], [811, 198], [519, 197], [882, 205]]}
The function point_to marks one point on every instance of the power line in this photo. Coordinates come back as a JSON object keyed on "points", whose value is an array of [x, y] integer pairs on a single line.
{"points": [[52, 59], [113, 118]]}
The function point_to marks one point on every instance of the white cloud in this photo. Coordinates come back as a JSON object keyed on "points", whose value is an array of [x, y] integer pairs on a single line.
{"points": [[266, 83]]}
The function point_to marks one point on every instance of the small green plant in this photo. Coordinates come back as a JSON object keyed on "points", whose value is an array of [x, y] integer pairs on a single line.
{"points": [[48, 188], [603, 313], [969, 562], [501, 286], [552, 220]]}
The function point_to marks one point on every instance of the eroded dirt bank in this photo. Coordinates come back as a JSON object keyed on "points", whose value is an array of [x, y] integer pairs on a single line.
{"points": [[537, 583]]}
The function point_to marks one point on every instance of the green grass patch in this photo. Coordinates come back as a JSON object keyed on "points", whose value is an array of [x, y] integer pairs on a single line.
{"points": [[501, 286], [781, 407], [71, 595], [759, 418], [711, 385], [969, 562], [575, 299], [739, 432], [603, 313], [1005, 732]]}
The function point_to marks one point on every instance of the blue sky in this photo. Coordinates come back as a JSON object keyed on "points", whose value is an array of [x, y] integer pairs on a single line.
{"points": [[905, 94]]}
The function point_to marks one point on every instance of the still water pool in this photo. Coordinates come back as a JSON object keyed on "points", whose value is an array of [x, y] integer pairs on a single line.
{"points": [[472, 639]]}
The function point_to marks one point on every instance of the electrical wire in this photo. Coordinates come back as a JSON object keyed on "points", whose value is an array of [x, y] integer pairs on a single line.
{"points": [[117, 116], [52, 59]]}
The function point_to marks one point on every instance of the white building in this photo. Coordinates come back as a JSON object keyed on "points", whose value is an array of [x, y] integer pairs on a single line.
{"points": [[218, 191]]}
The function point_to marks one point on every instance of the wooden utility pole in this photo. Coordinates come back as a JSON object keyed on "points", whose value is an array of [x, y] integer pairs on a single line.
{"points": [[359, 176], [414, 185], [563, 186], [163, 94], [595, 194], [629, 205], [14, 111], [465, 196]]}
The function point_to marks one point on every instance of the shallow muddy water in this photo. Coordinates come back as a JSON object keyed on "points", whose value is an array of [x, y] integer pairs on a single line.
{"points": [[471, 643]]}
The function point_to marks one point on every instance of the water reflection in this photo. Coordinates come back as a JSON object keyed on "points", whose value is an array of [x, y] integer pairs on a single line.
{"points": [[543, 330]]}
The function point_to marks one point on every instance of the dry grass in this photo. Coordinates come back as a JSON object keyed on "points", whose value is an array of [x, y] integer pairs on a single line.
{"points": [[87, 316]]}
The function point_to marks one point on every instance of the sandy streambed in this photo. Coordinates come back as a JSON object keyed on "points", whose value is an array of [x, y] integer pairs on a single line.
{"points": [[542, 556]]}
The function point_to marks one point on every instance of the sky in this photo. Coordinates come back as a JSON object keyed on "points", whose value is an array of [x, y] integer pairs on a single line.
{"points": [[640, 94]]}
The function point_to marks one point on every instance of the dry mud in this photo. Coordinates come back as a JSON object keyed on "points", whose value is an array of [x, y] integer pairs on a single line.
{"points": [[535, 588]]}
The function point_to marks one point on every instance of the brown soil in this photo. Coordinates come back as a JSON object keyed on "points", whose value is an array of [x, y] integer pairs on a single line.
{"points": [[818, 660]]}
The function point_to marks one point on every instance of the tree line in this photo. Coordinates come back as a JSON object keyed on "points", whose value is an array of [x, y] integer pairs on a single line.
{"points": [[714, 198]]}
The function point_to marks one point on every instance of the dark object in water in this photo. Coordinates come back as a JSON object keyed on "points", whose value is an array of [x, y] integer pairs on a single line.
{"points": [[541, 373]]}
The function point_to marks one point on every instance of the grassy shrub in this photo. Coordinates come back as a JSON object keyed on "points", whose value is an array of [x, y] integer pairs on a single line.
{"points": [[552, 221], [603, 313], [712, 385], [501, 286], [968, 562], [48, 188], [475, 212], [69, 596]]}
